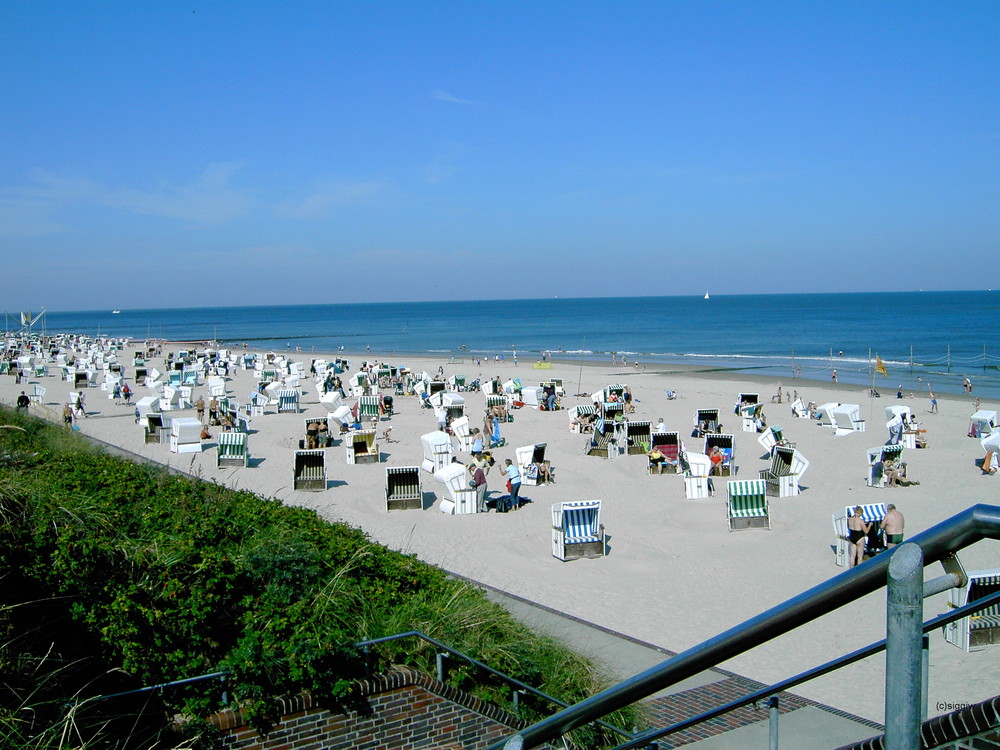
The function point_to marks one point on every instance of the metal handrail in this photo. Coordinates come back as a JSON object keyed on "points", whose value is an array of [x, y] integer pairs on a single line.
{"points": [[938, 542], [512, 681], [643, 740]]}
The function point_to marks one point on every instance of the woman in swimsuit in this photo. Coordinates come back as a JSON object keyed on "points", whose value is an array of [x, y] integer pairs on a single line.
{"points": [[858, 537]]}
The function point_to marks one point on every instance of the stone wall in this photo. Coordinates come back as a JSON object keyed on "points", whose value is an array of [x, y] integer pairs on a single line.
{"points": [[400, 709]]}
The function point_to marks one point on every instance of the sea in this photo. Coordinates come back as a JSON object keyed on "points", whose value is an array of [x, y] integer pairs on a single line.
{"points": [[923, 339]]}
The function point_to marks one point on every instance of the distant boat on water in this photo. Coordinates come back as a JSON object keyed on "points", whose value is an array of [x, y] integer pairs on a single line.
{"points": [[115, 312], [706, 295]]}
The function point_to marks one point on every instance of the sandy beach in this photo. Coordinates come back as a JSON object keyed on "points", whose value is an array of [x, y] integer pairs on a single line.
{"points": [[674, 575]]}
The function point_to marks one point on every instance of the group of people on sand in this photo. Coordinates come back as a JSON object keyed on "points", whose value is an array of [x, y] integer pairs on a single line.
{"points": [[858, 529]]}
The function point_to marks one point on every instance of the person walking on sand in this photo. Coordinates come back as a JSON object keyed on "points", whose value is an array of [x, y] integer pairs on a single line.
{"points": [[934, 409], [67, 416], [892, 524], [857, 531], [80, 406]]}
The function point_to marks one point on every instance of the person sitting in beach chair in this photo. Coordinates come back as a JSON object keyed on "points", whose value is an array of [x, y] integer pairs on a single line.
{"points": [[496, 440]]}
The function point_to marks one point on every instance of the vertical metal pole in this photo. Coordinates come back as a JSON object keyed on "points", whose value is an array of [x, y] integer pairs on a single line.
{"points": [[772, 726], [925, 671], [904, 619], [439, 659]]}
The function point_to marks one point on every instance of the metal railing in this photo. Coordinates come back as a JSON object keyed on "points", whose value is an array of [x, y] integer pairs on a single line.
{"points": [[937, 543]]}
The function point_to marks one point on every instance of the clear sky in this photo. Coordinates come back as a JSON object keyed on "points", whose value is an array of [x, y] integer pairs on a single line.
{"points": [[171, 154]]}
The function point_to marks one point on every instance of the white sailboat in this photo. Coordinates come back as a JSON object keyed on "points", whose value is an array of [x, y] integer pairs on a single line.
{"points": [[706, 295]]}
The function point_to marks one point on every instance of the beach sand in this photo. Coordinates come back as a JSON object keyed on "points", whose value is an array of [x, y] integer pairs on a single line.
{"points": [[674, 575]]}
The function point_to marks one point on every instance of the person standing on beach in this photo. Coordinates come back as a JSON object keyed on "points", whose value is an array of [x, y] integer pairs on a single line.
{"points": [[513, 482], [80, 407], [67, 416], [892, 524], [833, 376], [199, 405], [23, 402], [934, 409], [857, 531], [478, 483]]}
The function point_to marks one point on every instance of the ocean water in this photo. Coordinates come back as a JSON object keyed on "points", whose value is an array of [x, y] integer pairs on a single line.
{"points": [[936, 337]]}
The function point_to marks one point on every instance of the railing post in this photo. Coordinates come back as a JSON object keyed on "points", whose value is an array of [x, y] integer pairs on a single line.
{"points": [[925, 670], [772, 726], [225, 693], [439, 661], [904, 630]]}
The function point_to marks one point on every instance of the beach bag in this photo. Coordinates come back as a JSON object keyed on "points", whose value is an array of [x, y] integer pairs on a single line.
{"points": [[503, 504]]}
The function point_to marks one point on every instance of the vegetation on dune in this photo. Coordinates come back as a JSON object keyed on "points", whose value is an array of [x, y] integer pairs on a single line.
{"points": [[118, 575]]}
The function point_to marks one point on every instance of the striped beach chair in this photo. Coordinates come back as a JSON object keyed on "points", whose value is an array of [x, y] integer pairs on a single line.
{"points": [[577, 530], [309, 471], [578, 411], [706, 420], [368, 406], [288, 401], [232, 450], [872, 513], [669, 446], [983, 628], [876, 463], [787, 468], [747, 505], [637, 437], [402, 488], [362, 447], [603, 442], [527, 457], [725, 444]]}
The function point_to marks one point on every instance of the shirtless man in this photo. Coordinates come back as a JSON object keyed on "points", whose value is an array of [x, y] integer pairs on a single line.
{"points": [[892, 525]]}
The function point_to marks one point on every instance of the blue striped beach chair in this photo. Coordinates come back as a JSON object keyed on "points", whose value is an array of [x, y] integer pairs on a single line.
{"points": [[747, 505], [288, 401], [725, 444], [872, 513], [983, 628], [577, 530], [232, 450]]}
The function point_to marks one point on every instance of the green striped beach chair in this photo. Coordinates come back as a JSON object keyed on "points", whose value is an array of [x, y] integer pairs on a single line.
{"points": [[232, 450], [747, 505], [288, 401], [368, 406], [577, 530]]}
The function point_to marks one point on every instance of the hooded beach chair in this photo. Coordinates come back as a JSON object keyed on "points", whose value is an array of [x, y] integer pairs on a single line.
{"points": [[799, 409], [991, 445], [669, 446], [747, 504], [155, 428], [37, 393], [982, 423], [232, 449], [309, 470], [185, 435], [696, 467], [437, 451], [331, 400], [527, 457], [288, 401], [463, 432], [362, 447], [846, 418], [787, 468], [532, 396], [256, 404], [461, 499], [603, 442], [706, 420], [726, 445], [876, 463], [824, 413], [402, 488], [872, 513], [576, 412], [456, 383], [771, 437], [751, 416], [983, 628], [368, 407], [577, 530], [637, 437], [216, 386]]}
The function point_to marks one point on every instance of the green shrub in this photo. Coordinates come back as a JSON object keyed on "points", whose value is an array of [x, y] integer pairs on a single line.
{"points": [[177, 577]]}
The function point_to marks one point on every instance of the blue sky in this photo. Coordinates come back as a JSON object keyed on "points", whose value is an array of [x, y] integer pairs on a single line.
{"points": [[184, 154]]}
